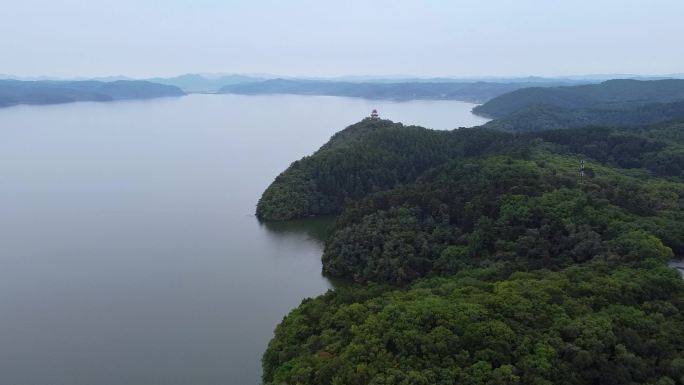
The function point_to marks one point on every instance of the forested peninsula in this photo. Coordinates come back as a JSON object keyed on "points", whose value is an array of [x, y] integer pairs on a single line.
{"points": [[485, 257], [14, 92], [616, 103]]}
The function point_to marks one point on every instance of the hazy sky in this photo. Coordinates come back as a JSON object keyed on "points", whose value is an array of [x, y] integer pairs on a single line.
{"points": [[143, 38]]}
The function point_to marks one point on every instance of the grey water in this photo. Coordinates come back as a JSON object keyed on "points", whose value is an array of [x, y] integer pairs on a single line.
{"points": [[129, 253]]}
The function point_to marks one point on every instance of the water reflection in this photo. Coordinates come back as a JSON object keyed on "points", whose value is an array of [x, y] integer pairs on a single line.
{"points": [[313, 229]]}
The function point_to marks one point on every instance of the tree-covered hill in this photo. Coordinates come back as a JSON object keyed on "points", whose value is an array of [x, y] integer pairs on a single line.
{"points": [[528, 210], [657, 148], [492, 261], [370, 156], [618, 93], [377, 155], [13, 92], [615, 103], [545, 117], [597, 323]]}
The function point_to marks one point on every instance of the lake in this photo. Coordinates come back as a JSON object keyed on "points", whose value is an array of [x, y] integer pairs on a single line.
{"points": [[129, 252]]}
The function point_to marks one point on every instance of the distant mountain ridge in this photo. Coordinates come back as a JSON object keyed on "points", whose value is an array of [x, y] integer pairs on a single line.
{"points": [[13, 92], [204, 84], [477, 91]]}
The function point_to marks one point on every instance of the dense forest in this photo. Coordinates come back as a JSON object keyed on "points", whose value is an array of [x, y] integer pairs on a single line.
{"points": [[544, 117], [370, 156], [473, 91], [482, 257], [611, 93], [612, 103], [595, 323], [377, 155], [13, 92]]}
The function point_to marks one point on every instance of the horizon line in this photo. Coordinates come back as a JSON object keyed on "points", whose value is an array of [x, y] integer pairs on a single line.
{"points": [[267, 76]]}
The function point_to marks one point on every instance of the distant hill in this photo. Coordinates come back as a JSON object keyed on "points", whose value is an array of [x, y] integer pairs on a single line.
{"points": [[611, 94], [476, 92], [204, 84], [624, 102], [13, 92], [545, 117]]}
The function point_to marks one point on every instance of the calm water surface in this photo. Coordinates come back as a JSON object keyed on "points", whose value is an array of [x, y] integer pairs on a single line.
{"points": [[129, 253]]}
